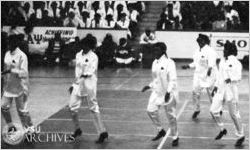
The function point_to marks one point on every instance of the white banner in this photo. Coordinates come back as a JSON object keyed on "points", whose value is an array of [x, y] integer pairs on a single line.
{"points": [[38, 39], [182, 44]]}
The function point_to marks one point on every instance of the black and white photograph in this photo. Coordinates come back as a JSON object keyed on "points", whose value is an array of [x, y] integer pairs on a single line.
{"points": [[124, 74]]}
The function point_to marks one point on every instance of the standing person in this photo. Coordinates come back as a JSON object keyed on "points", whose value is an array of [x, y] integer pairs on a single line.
{"points": [[16, 85], [226, 87], [164, 92], [204, 62], [85, 87]]}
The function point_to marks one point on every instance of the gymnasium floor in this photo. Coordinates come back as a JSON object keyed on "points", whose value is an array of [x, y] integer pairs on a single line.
{"points": [[123, 109]]}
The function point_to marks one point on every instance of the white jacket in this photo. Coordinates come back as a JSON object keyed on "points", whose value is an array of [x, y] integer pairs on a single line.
{"points": [[16, 82], [164, 76]]}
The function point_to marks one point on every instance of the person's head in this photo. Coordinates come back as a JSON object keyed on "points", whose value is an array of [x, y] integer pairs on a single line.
{"points": [[80, 4], [202, 40], [85, 15], [109, 17], [26, 6], [230, 49], [57, 36], [77, 39], [46, 13], [119, 7], [20, 37], [54, 5], [88, 43], [122, 41], [163, 16], [95, 5], [106, 4], [43, 4], [13, 42], [97, 17], [123, 17], [160, 49], [148, 32], [109, 37], [67, 5], [71, 15]]}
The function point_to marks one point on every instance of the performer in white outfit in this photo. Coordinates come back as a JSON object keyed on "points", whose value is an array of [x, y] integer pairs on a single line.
{"points": [[226, 87], [164, 92], [16, 85], [204, 62], [85, 87]]}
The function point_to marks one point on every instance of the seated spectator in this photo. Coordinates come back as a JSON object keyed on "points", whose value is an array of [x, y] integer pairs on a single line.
{"points": [[47, 20], [54, 11], [72, 21], [27, 10], [164, 23], [106, 10], [123, 23], [109, 21], [54, 52], [16, 14], [220, 23], [148, 37], [119, 11], [106, 51], [97, 22], [124, 55], [86, 19]]}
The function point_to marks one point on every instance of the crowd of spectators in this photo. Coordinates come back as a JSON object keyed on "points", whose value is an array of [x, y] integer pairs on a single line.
{"points": [[83, 14], [209, 15]]}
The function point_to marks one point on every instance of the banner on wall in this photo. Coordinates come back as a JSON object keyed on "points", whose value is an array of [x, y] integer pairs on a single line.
{"points": [[40, 36], [183, 44]]}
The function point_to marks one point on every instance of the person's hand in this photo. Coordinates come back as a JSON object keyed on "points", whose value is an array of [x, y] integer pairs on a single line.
{"points": [[5, 72], [145, 88], [209, 72], [167, 97], [85, 76], [185, 67], [228, 81], [214, 91], [70, 89]]}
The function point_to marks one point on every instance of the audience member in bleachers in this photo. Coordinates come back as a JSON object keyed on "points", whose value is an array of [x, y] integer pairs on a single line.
{"points": [[72, 21], [86, 19], [219, 23], [148, 37], [109, 21], [97, 21], [164, 23], [28, 10], [123, 23], [124, 55]]}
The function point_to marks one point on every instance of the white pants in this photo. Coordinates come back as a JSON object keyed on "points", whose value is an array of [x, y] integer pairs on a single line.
{"points": [[157, 100], [85, 89], [200, 84], [124, 60], [229, 92]]}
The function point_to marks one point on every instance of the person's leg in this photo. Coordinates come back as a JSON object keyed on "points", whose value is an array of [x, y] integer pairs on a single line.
{"points": [[21, 106], [170, 110], [74, 105], [153, 113], [196, 97], [233, 108], [5, 109], [215, 110], [94, 108]]}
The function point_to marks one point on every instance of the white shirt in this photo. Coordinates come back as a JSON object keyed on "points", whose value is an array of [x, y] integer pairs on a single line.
{"points": [[147, 39], [123, 25], [86, 64], [229, 69], [17, 81], [164, 75], [204, 59]]}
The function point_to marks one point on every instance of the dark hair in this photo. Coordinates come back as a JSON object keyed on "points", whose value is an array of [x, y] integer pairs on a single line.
{"points": [[231, 48], [162, 46], [122, 41]]}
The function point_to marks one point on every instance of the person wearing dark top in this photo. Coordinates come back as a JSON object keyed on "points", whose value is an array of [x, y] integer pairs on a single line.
{"points": [[106, 51], [124, 55]]}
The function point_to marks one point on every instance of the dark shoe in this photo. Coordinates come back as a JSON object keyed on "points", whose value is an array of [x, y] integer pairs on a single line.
{"points": [[221, 112], [102, 137], [221, 134], [195, 114], [175, 142], [240, 141], [77, 133], [160, 134]]}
